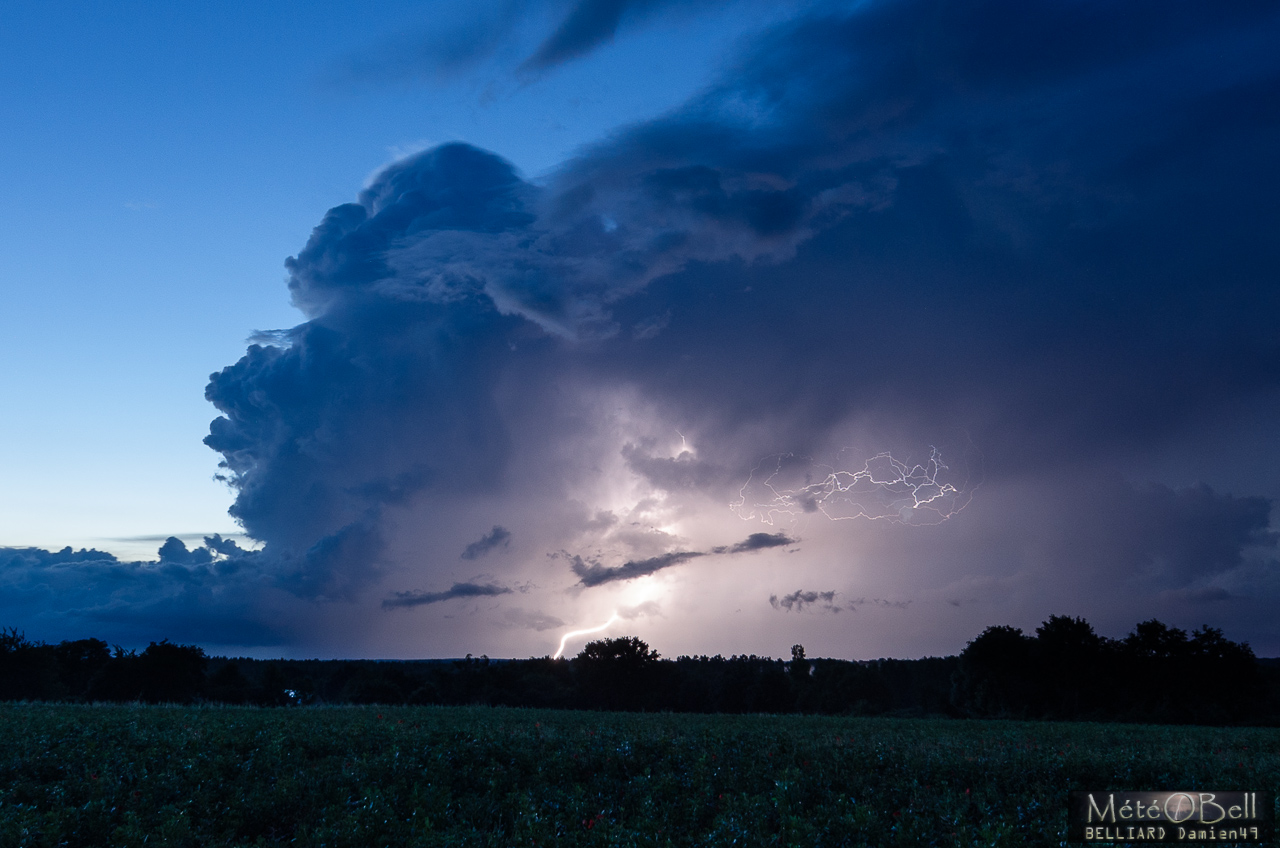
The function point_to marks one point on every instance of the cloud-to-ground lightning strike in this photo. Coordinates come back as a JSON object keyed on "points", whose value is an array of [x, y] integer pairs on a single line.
{"points": [[883, 489], [573, 633]]}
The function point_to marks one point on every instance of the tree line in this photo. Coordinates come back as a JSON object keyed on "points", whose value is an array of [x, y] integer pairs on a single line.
{"points": [[1064, 671]]}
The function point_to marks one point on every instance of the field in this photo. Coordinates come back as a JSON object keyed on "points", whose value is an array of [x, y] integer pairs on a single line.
{"points": [[405, 776]]}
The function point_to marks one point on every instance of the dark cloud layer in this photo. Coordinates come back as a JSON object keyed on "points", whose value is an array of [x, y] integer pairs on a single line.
{"points": [[596, 574], [593, 573], [800, 599], [199, 596], [457, 590], [756, 542]]}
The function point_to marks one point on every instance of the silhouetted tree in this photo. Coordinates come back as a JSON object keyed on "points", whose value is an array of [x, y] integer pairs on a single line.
{"points": [[228, 685], [80, 663], [1156, 674], [614, 672], [1072, 664], [28, 670], [995, 673]]}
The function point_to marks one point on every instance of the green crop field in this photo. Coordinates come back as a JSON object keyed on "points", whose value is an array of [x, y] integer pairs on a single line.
{"points": [[404, 776]]}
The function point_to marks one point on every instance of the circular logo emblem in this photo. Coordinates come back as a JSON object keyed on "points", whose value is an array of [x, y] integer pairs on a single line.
{"points": [[1179, 807]]}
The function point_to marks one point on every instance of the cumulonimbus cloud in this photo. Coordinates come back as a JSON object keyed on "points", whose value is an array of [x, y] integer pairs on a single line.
{"points": [[1049, 226]]}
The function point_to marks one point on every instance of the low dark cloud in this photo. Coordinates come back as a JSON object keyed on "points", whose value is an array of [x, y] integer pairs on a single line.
{"points": [[756, 542], [595, 574], [457, 590], [799, 599], [591, 572], [199, 595], [589, 24], [498, 537]]}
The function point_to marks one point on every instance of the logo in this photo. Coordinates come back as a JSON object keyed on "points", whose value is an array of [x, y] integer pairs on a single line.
{"points": [[1131, 816]]}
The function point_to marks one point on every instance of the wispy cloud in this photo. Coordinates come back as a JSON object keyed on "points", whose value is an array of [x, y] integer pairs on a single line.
{"points": [[498, 537]]}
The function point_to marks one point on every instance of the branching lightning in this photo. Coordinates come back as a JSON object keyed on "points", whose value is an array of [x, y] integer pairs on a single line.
{"points": [[573, 633], [883, 489]]}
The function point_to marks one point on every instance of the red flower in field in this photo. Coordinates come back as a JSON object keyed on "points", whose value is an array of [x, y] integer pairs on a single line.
{"points": [[966, 792], [379, 715]]}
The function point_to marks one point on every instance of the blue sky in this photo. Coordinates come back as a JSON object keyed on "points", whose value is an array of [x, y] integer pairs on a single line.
{"points": [[160, 162], [864, 325]]}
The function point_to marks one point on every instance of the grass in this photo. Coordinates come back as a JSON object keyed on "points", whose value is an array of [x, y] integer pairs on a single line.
{"points": [[406, 776]]}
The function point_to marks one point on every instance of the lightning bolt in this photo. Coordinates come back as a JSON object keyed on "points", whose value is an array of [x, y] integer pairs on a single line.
{"points": [[573, 633], [883, 489]]}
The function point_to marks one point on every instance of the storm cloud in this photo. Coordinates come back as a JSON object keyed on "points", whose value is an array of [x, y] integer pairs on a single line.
{"points": [[909, 227], [457, 590]]}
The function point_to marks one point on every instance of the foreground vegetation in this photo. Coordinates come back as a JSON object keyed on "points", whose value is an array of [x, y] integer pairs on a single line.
{"points": [[85, 775]]}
